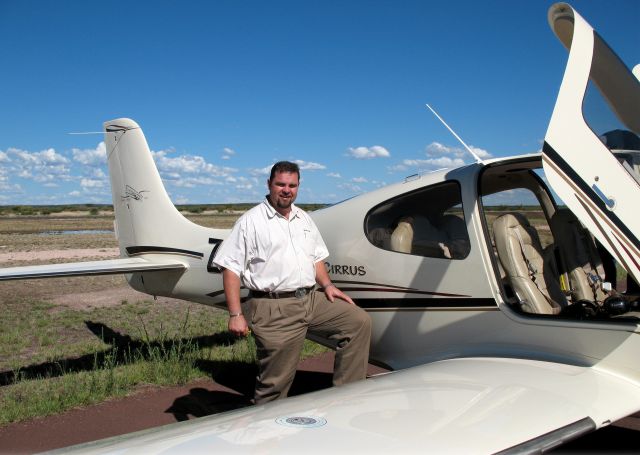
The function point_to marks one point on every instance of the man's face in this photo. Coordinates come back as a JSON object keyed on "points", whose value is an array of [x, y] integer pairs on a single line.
{"points": [[283, 189]]}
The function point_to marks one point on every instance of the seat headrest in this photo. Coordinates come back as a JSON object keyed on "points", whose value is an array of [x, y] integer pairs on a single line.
{"points": [[402, 237], [511, 220]]}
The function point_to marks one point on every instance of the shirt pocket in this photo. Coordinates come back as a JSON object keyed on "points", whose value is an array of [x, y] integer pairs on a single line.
{"points": [[306, 242]]}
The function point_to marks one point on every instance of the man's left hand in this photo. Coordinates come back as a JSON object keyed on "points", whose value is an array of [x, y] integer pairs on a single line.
{"points": [[332, 292]]}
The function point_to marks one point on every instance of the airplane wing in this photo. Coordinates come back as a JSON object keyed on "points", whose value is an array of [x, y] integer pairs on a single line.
{"points": [[469, 405], [104, 267]]}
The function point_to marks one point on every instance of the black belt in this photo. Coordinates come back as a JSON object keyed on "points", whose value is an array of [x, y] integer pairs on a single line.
{"points": [[299, 293]]}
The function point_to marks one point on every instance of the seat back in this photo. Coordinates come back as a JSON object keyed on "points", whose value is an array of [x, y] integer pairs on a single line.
{"points": [[580, 257], [402, 237], [457, 238], [522, 258]]}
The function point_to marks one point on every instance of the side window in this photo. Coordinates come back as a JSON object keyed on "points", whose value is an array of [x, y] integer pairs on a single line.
{"points": [[427, 222]]}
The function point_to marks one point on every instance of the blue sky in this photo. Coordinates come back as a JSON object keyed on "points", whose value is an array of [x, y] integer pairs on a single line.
{"points": [[222, 89]]}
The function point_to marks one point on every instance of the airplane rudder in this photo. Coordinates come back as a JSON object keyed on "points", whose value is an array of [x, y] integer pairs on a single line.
{"points": [[140, 200]]}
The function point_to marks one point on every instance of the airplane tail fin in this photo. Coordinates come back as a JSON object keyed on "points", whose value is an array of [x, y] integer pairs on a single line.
{"points": [[145, 218]]}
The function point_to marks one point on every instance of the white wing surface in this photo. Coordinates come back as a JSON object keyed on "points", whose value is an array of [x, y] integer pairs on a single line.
{"points": [[108, 267], [472, 405]]}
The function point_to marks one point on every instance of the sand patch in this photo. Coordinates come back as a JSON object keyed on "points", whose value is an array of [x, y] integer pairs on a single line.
{"points": [[48, 255], [105, 298]]}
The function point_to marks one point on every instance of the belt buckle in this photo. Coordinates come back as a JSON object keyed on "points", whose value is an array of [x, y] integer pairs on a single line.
{"points": [[300, 292]]}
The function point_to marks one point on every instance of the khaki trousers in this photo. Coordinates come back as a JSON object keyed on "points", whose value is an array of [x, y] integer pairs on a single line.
{"points": [[280, 327]]}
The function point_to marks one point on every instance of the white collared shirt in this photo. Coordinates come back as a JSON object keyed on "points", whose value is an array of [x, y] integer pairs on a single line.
{"points": [[272, 253]]}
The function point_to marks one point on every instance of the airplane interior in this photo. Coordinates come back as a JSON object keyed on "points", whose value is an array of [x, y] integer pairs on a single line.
{"points": [[407, 224], [548, 263]]}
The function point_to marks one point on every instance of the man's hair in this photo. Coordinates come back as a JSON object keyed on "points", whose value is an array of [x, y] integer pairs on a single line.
{"points": [[284, 166]]}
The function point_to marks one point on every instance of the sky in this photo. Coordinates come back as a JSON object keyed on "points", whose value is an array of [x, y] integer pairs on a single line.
{"points": [[223, 89]]}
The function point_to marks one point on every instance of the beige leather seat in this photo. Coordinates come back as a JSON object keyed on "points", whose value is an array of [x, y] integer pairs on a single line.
{"points": [[580, 259], [532, 278], [402, 236]]}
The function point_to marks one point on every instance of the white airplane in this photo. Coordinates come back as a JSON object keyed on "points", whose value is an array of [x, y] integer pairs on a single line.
{"points": [[499, 344]]}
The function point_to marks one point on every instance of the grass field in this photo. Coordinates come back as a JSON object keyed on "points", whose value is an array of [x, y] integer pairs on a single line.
{"points": [[69, 342]]}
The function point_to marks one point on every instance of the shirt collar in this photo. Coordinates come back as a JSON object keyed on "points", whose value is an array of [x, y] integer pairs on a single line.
{"points": [[271, 212]]}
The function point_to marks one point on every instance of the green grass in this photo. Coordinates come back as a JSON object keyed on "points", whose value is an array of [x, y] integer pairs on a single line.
{"points": [[54, 358]]}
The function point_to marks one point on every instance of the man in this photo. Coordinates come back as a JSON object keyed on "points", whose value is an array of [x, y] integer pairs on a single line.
{"points": [[276, 251]]}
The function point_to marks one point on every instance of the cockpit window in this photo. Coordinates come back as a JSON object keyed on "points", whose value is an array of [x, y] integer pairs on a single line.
{"points": [[624, 144], [611, 108], [428, 222]]}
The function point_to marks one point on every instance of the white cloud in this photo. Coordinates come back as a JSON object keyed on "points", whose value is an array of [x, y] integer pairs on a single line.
{"points": [[50, 156], [44, 157], [359, 180], [192, 164], [98, 173], [434, 163], [91, 157], [350, 187], [90, 184], [261, 171], [398, 168], [482, 153], [437, 149], [191, 182], [244, 183], [190, 171], [335, 175], [303, 165], [309, 165], [7, 187], [227, 153], [44, 166], [366, 153], [439, 156]]}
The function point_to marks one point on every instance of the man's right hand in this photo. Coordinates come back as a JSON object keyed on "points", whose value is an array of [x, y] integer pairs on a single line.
{"points": [[238, 326]]}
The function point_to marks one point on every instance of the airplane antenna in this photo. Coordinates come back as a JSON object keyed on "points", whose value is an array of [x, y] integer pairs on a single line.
{"points": [[477, 158]]}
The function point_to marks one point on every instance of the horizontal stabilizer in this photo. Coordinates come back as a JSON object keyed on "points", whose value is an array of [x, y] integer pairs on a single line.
{"points": [[109, 267]]}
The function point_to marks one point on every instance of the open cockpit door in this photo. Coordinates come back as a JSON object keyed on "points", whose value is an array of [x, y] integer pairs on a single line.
{"points": [[591, 153]]}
